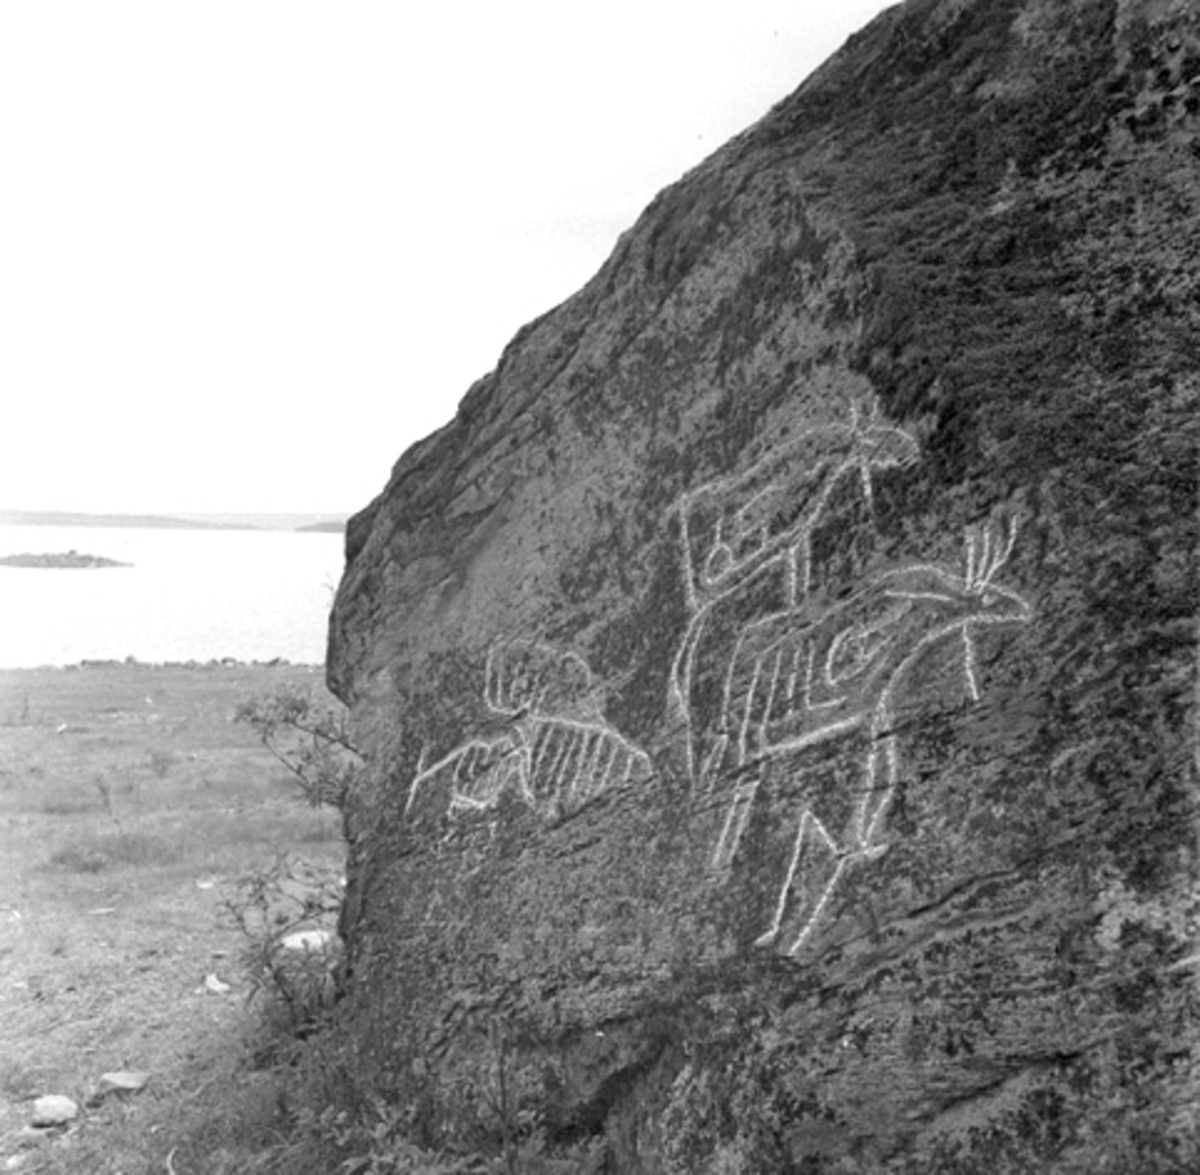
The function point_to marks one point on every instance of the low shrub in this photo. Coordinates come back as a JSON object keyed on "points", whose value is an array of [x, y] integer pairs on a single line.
{"points": [[311, 741], [287, 914]]}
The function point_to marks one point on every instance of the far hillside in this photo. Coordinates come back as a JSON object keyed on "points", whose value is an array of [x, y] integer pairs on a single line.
{"points": [[145, 521], [328, 522], [331, 527]]}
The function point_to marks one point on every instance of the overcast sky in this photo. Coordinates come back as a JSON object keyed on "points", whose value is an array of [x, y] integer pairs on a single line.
{"points": [[251, 250]]}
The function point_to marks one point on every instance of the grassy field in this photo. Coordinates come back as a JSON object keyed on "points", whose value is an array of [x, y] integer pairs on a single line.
{"points": [[130, 804]]}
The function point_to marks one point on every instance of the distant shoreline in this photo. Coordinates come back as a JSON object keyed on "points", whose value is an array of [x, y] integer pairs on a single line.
{"points": [[60, 561], [298, 522], [87, 664]]}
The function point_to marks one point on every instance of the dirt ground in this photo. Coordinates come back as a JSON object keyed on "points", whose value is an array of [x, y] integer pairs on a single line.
{"points": [[130, 804]]}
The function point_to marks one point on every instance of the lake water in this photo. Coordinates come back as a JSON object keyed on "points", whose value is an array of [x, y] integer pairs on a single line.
{"points": [[191, 595]]}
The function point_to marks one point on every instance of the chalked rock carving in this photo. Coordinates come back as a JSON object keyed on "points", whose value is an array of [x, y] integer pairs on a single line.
{"points": [[748, 538], [767, 668], [801, 677], [558, 751], [944, 290]]}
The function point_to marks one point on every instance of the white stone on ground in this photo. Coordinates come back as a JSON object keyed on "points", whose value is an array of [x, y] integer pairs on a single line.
{"points": [[307, 940], [54, 1110], [122, 1081]]}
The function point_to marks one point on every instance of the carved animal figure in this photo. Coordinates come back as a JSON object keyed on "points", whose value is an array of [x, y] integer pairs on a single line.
{"points": [[556, 765], [802, 677], [557, 750]]}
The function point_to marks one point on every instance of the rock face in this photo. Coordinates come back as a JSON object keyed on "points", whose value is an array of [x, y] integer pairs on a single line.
{"points": [[777, 679]]}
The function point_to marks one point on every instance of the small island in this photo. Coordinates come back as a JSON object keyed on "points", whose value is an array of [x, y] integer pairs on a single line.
{"points": [[69, 559]]}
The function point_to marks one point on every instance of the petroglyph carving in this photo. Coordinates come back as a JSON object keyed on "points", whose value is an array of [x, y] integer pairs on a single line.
{"points": [[567, 763], [525, 677], [734, 526], [747, 539], [803, 676], [768, 670], [475, 774], [556, 752]]}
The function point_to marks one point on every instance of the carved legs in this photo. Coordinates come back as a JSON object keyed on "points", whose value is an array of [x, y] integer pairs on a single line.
{"points": [[814, 869], [735, 819], [782, 850]]}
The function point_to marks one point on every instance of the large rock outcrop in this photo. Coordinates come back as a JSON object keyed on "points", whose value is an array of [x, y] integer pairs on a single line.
{"points": [[777, 679]]}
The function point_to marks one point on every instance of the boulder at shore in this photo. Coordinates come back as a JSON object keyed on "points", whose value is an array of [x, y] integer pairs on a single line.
{"points": [[777, 682]]}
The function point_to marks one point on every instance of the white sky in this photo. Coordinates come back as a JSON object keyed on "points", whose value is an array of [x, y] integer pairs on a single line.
{"points": [[251, 250]]}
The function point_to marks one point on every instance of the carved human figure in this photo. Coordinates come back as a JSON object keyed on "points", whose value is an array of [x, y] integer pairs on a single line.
{"points": [[747, 545], [803, 677], [734, 526]]}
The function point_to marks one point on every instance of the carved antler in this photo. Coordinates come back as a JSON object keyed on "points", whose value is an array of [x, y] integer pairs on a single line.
{"points": [[988, 549], [881, 445]]}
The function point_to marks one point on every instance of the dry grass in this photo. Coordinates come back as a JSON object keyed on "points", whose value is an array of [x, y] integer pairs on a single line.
{"points": [[129, 804]]}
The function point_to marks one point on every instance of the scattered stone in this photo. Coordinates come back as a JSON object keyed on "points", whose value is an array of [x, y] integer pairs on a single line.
{"points": [[122, 1081], [119, 1081], [308, 940], [214, 986], [54, 1110]]}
